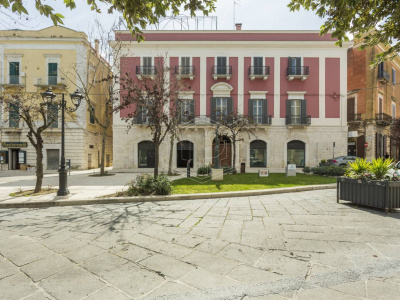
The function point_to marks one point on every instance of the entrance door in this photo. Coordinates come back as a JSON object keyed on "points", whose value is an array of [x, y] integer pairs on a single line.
{"points": [[225, 152], [184, 153], [351, 149], [146, 155], [53, 159], [14, 162]]}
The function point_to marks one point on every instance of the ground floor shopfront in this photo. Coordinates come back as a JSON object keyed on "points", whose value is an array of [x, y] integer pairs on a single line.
{"points": [[267, 147], [82, 148]]}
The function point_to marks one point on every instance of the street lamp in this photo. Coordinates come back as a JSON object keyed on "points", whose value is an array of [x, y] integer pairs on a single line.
{"points": [[76, 98]]}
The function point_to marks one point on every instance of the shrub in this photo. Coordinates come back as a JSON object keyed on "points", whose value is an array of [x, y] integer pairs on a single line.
{"points": [[379, 167], [204, 170], [323, 161], [306, 169], [162, 185], [359, 167], [329, 170]]}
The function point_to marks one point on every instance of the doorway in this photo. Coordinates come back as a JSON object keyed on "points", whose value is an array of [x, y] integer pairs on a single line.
{"points": [[53, 159], [351, 148], [184, 153], [225, 152], [14, 159]]}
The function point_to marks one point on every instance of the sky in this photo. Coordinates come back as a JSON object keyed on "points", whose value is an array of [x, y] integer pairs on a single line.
{"points": [[253, 14]]}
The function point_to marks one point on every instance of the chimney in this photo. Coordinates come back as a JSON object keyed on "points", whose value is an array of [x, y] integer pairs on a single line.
{"points": [[238, 26], [96, 46]]}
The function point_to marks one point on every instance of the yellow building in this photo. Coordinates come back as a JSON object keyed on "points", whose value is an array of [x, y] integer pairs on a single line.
{"points": [[64, 60]]}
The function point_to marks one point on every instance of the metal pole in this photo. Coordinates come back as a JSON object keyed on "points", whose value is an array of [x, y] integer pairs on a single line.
{"points": [[62, 172]]}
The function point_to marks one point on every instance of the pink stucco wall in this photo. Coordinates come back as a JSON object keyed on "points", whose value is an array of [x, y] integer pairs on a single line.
{"points": [[227, 36], [332, 88], [128, 68], [310, 86], [259, 85], [233, 61]]}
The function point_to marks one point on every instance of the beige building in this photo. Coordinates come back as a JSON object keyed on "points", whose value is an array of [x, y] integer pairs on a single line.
{"points": [[64, 60]]}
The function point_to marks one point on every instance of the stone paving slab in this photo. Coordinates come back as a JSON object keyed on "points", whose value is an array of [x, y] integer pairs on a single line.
{"points": [[293, 246]]}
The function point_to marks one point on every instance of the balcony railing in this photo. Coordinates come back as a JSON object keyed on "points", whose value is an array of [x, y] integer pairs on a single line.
{"points": [[14, 80], [354, 118], [383, 76], [298, 120], [185, 71], [145, 71], [383, 119], [53, 81], [258, 72], [222, 72], [301, 72], [260, 119]]}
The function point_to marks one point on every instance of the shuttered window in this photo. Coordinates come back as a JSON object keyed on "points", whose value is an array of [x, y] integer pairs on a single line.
{"points": [[53, 73]]}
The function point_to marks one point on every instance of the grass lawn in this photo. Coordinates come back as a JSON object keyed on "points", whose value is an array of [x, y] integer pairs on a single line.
{"points": [[244, 182]]}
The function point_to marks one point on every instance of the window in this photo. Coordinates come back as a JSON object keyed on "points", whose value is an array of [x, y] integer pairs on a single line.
{"points": [[295, 66], [147, 68], [14, 72], [187, 110], [221, 106], [393, 110], [52, 115], [222, 65], [296, 153], [380, 106], [145, 116], [91, 115], [381, 68], [52, 80], [258, 154], [296, 112], [257, 111], [393, 76], [258, 66], [146, 154], [185, 66], [13, 115]]}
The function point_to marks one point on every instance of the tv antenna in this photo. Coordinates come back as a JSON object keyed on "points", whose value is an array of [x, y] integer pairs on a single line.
{"points": [[235, 2]]}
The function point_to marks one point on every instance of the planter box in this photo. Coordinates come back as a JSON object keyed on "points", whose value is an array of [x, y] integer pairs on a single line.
{"points": [[379, 194]]}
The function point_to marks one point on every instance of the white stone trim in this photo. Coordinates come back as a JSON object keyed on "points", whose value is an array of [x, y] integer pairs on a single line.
{"points": [[258, 94], [221, 89]]}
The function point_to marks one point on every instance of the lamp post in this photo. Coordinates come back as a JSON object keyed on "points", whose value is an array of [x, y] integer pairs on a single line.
{"points": [[76, 98]]}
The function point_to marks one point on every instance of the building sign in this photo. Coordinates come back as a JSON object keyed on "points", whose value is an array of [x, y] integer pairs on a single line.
{"points": [[353, 134], [14, 144], [263, 173]]}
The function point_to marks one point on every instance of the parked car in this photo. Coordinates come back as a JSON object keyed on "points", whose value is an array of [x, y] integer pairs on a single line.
{"points": [[395, 169], [342, 161]]}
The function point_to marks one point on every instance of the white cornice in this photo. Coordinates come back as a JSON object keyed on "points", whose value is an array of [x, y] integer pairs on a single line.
{"points": [[296, 93]]}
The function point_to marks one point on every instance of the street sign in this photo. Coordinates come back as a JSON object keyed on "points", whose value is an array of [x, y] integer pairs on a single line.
{"points": [[263, 173], [14, 144]]}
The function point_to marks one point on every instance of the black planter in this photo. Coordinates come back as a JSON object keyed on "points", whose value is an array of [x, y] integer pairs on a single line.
{"points": [[379, 194]]}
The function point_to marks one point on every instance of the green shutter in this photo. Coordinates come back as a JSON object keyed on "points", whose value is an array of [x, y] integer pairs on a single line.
{"points": [[213, 108], [52, 74], [13, 115], [138, 112], [251, 103], [3, 157], [303, 111], [288, 111], [229, 107], [192, 111], [14, 68], [265, 111]]}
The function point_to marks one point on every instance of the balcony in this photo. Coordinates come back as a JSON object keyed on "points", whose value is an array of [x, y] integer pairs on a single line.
{"points": [[383, 119], [260, 119], [258, 72], [383, 76], [185, 72], [54, 82], [354, 118], [298, 120], [145, 72], [14, 80], [298, 73], [222, 72]]}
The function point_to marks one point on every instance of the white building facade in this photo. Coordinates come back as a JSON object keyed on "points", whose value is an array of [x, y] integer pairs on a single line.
{"points": [[293, 84]]}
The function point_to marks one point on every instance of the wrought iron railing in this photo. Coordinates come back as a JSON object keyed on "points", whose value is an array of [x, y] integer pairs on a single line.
{"points": [[224, 70], [384, 119], [298, 120], [145, 70], [302, 70], [354, 118], [258, 71], [383, 75], [184, 70]]}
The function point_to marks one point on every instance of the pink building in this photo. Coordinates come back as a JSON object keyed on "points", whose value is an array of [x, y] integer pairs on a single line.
{"points": [[293, 84]]}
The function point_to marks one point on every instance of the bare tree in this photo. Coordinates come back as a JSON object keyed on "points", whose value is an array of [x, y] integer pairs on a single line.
{"points": [[153, 101], [234, 126], [98, 83], [37, 114]]}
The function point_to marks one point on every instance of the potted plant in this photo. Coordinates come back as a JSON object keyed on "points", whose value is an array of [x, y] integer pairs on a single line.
{"points": [[366, 183], [323, 163]]}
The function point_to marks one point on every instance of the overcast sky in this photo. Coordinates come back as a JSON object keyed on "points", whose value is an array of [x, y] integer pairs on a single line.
{"points": [[254, 14]]}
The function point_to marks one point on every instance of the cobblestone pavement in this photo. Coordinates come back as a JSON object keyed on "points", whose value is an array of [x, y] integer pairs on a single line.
{"points": [[286, 246]]}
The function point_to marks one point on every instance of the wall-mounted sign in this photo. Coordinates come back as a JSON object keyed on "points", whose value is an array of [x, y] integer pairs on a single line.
{"points": [[263, 173], [14, 144], [353, 134]]}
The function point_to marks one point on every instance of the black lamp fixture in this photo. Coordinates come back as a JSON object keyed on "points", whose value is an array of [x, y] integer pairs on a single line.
{"points": [[76, 98]]}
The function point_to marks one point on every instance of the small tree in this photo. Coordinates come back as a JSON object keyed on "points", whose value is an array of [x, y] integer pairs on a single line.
{"points": [[234, 126], [153, 100], [36, 114]]}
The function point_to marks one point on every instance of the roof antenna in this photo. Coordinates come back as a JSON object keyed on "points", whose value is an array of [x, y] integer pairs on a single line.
{"points": [[235, 2]]}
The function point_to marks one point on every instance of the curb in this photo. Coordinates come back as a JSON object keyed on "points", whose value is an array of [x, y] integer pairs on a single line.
{"points": [[115, 200]]}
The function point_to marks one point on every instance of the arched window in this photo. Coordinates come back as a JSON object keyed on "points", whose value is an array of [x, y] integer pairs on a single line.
{"points": [[296, 153], [146, 154], [258, 154], [184, 153]]}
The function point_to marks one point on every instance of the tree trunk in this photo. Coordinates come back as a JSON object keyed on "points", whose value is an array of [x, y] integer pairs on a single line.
{"points": [[171, 151], [39, 165], [234, 157], [103, 151], [157, 158]]}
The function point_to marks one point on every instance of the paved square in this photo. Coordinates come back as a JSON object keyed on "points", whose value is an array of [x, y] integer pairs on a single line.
{"points": [[285, 246]]}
